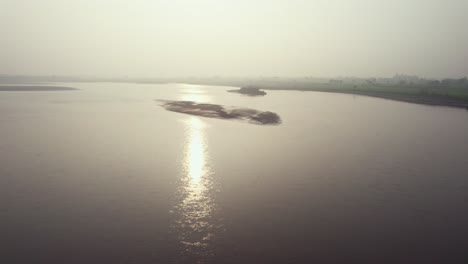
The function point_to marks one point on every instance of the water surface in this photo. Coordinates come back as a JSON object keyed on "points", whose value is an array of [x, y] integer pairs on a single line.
{"points": [[105, 175]]}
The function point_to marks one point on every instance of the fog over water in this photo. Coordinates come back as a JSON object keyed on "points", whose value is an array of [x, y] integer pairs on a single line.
{"points": [[146, 38], [233, 131]]}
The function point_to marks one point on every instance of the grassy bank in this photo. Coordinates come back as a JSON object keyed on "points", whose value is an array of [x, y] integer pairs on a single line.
{"points": [[422, 94], [454, 97]]}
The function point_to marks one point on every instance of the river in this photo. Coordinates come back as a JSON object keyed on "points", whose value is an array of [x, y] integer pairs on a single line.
{"points": [[104, 174]]}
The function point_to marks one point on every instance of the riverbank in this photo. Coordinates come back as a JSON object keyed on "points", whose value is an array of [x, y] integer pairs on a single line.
{"points": [[450, 97], [429, 99], [412, 93], [422, 98], [35, 88]]}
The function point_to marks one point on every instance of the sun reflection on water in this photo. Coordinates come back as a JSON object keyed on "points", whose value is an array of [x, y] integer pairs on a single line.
{"points": [[195, 225], [195, 159], [194, 93]]}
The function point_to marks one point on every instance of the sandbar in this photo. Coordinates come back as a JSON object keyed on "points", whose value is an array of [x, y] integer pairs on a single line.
{"points": [[222, 112]]}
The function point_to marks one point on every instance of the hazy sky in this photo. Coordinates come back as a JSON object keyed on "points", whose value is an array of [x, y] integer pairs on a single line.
{"points": [[234, 37]]}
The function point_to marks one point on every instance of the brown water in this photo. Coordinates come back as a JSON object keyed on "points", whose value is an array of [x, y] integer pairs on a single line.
{"points": [[105, 175]]}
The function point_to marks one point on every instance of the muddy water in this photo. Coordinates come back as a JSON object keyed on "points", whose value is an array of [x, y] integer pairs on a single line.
{"points": [[105, 175]]}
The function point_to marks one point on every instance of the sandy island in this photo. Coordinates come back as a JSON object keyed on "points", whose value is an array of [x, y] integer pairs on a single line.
{"points": [[250, 91], [30, 88], [221, 112]]}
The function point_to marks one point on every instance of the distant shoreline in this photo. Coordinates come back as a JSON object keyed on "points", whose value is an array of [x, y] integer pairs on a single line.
{"points": [[415, 99], [35, 88], [447, 97], [402, 94]]}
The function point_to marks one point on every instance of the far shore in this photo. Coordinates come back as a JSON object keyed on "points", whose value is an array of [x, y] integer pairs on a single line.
{"points": [[434, 97], [409, 98], [33, 88]]}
